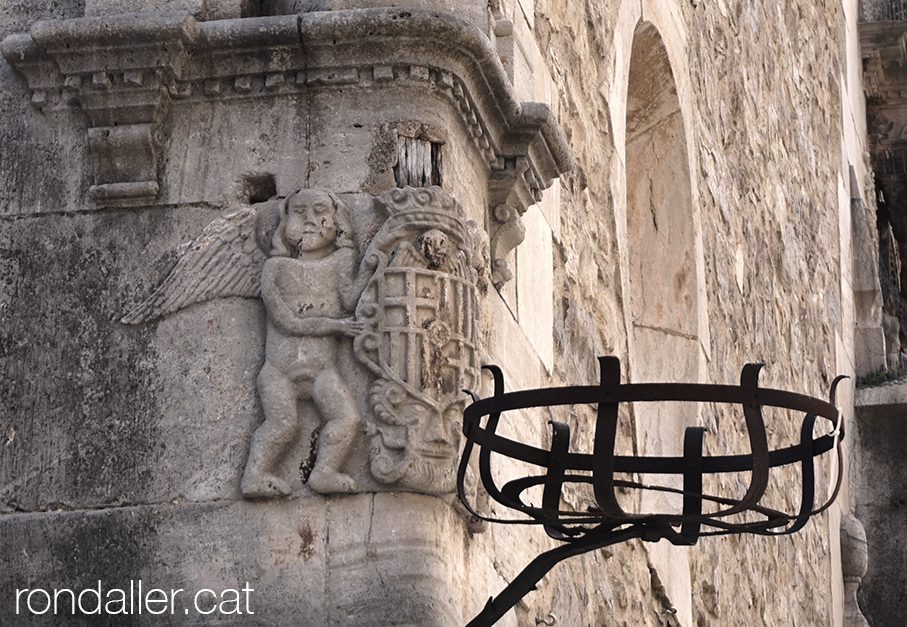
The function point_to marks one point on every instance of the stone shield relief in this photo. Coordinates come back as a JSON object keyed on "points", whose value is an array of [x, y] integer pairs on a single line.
{"points": [[411, 306], [420, 312]]}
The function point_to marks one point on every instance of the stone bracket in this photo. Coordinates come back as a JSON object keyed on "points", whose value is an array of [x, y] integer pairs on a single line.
{"points": [[507, 233], [883, 47], [117, 70], [125, 163], [41, 73]]}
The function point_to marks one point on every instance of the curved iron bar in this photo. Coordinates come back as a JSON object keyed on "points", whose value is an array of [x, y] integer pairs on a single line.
{"points": [[607, 523]]}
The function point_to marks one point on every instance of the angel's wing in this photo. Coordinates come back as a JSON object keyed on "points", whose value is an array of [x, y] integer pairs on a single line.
{"points": [[225, 260]]}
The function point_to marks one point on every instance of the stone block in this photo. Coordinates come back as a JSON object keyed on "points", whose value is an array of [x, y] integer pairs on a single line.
{"points": [[527, 8], [532, 79], [194, 552], [894, 394], [394, 541], [535, 286], [349, 561], [178, 395], [99, 8], [510, 349], [881, 497], [870, 355], [474, 11]]}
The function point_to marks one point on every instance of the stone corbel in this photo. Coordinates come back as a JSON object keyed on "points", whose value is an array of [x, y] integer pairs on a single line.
{"points": [[512, 190], [872, 75], [883, 47], [507, 233], [119, 70], [516, 183], [41, 73], [125, 163]]}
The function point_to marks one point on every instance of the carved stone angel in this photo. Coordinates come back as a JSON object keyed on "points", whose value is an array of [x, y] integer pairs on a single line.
{"points": [[305, 274]]}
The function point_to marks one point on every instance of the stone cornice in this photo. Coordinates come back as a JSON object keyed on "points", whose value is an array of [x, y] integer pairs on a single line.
{"points": [[449, 45], [129, 70], [883, 47]]}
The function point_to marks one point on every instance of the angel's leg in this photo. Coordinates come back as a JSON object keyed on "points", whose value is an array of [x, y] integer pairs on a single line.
{"points": [[337, 406], [278, 400]]}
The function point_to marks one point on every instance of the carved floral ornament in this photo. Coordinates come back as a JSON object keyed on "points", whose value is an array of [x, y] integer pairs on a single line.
{"points": [[411, 302]]}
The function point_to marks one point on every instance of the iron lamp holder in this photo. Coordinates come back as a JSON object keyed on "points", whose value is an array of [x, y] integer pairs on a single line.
{"points": [[607, 522]]}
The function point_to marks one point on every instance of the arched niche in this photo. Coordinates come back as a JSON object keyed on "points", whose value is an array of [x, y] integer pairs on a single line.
{"points": [[661, 236], [663, 288], [663, 283]]}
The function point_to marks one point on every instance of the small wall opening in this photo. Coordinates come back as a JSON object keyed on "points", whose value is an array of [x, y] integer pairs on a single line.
{"points": [[418, 162], [258, 187]]}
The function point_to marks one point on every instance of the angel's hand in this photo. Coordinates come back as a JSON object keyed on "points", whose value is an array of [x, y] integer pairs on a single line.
{"points": [[350, 326], [370, 262]]}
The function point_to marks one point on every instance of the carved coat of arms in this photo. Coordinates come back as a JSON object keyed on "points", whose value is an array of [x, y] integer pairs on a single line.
{"points": [[420, 311]]}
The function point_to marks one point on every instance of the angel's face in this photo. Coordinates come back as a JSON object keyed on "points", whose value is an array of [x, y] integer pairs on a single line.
{"points": [[310, 223]]}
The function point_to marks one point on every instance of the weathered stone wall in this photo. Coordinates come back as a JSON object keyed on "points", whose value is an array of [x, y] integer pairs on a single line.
{"points": [[776, 293], [122, 447], [765, 87], [880, 500]]}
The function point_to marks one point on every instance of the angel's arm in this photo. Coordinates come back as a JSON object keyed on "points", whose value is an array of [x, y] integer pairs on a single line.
{"points": [[356, 279]]}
